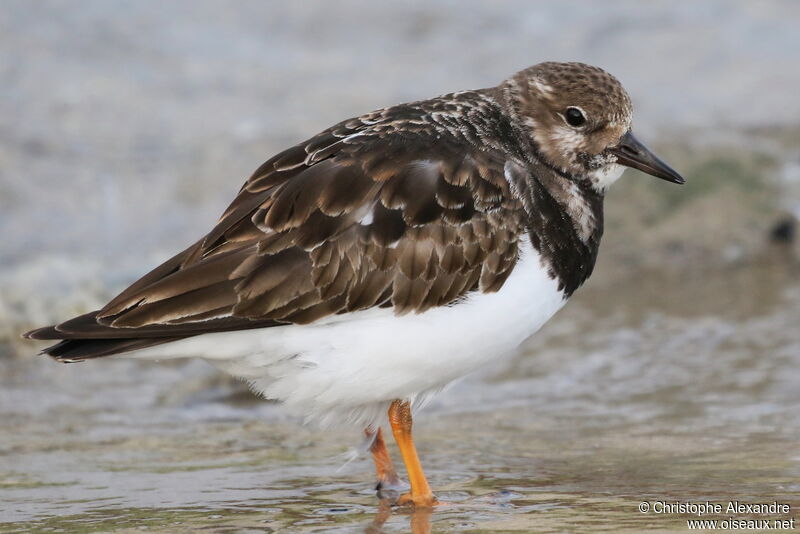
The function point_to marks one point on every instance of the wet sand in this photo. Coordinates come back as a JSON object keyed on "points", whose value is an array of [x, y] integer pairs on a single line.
{"points": [[662, 388]]}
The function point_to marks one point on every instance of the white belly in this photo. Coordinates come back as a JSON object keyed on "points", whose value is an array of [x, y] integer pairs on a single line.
{"points": [[353, 364]]}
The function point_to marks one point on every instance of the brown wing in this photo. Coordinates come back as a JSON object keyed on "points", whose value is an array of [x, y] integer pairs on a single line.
{"points": [[350, 220]]}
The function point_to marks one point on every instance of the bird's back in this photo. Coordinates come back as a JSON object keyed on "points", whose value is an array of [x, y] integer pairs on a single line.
{"points": [[407, 208]]}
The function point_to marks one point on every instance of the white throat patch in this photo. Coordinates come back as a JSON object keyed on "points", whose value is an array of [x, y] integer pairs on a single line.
{"points": [[606, 175]]}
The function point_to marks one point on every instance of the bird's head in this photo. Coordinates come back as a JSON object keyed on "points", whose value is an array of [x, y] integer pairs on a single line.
{"points": [[579, 120]]}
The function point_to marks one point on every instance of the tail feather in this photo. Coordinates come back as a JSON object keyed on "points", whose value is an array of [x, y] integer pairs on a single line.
{"points": [[85, 337], [76, 350]]}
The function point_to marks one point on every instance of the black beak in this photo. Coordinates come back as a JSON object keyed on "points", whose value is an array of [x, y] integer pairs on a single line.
{"points": [[631, 153]]}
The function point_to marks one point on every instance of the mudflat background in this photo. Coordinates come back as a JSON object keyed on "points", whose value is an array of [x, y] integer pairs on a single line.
{"points": [[125, 129]]}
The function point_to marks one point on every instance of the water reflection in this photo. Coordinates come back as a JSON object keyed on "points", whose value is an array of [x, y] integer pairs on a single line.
{"points": [[419, 520]]}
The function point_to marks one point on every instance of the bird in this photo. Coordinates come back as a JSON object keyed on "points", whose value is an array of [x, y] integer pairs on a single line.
{"points": [[359, 272]]}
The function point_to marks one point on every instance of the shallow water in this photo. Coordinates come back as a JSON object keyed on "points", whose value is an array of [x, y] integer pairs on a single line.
{"points": [[651, 389]]}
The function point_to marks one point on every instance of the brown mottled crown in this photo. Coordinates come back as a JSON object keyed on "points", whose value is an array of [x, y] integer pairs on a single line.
{"points": [[539, 97], [599, 92]]}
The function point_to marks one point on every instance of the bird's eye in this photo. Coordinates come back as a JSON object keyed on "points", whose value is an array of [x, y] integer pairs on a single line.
{"points": [[574, 117]]}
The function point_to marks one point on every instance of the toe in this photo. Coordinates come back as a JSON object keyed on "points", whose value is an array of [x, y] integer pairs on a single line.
{"points": [[417, 501], [390, 490]]}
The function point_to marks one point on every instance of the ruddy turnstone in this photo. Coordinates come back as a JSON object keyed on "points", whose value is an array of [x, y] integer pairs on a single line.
{"points": [[360, 271]]}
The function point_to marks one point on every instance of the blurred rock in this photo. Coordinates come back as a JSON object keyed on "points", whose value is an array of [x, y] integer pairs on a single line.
{"points": [[784, 230]]}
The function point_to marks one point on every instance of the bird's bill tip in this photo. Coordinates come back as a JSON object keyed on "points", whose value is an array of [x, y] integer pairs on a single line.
{"points": [[630, 152]]}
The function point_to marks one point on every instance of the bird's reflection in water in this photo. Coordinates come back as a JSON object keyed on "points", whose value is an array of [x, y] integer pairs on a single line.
{"points": [[420, 519]]}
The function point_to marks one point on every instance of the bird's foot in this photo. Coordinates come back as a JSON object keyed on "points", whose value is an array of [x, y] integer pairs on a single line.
{"points": [[390, 489], [417, 501]]}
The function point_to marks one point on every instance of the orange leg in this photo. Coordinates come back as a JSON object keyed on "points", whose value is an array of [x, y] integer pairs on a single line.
{"points": [[400, 419], [384, 468]]}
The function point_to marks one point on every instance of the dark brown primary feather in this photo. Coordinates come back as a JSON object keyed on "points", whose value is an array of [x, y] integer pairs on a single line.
{"points": [[396, 208]]}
